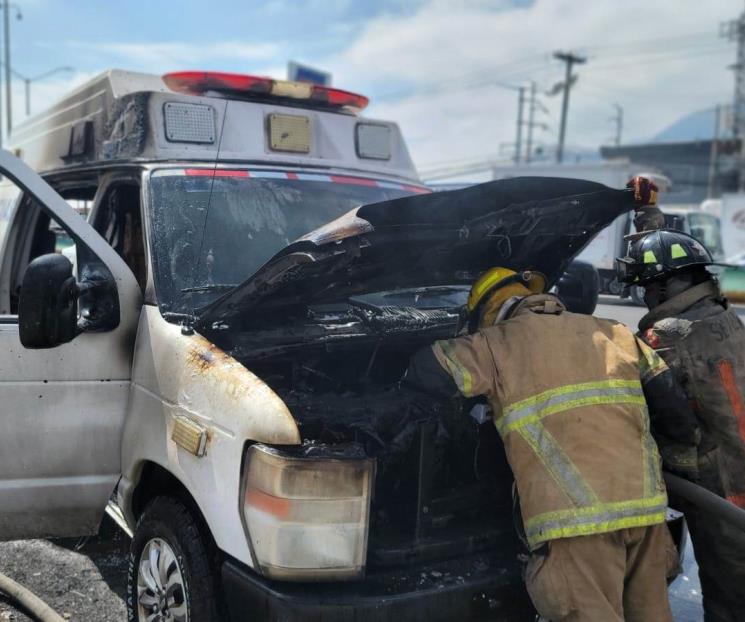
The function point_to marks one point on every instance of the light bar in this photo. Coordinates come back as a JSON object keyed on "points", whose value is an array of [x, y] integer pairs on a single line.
{"points": [[205, 82]]}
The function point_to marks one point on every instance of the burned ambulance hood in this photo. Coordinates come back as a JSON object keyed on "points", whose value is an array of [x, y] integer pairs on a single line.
{"points": [[537, 223]]}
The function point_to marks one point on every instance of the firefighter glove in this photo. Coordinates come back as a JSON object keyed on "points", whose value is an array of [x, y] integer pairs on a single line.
{"points": [[645, 191], [680, 459]]}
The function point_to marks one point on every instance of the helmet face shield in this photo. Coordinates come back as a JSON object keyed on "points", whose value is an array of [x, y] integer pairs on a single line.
{"points": [[626, 269]]}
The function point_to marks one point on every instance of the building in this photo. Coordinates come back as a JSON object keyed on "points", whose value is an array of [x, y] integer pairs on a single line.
{"points": [[698, 169]]}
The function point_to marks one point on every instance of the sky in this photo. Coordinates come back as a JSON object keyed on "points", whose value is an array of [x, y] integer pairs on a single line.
{"points": [[445, 70]]}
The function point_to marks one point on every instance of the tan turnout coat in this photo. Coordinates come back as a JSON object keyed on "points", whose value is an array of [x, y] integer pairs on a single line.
{"points": [[568, 403]]}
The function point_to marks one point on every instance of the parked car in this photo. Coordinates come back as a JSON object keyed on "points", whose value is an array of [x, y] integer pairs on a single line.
{"points": [[732, 278]]}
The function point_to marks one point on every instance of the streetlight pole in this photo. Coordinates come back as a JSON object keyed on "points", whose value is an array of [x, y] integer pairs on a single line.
{"points": [[6, 28], [27, 82]]}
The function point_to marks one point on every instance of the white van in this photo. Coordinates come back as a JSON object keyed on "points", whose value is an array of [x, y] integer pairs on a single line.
{"points": [[219, 364]]}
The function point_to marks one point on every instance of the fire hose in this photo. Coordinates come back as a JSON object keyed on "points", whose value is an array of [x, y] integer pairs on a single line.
{"points": [[706, 500], [27, 600]]}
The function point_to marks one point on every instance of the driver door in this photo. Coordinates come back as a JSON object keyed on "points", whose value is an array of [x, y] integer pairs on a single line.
{"points": [[61, 409]]}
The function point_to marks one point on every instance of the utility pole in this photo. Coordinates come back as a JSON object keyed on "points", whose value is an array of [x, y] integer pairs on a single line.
{"points": [[570, 59], [531, 122], [714, 154], [533, 103], [519, 138], [618, 120], [734, 30]]}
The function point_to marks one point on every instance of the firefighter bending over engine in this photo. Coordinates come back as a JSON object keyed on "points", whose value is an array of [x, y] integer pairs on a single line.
{"points": [[568, 396]]}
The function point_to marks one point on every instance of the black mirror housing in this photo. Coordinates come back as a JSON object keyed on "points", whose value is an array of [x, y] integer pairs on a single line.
{"points": [[48, 309]]}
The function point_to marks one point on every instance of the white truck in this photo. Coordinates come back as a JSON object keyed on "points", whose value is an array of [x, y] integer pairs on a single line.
{"points": [[230, 396]]}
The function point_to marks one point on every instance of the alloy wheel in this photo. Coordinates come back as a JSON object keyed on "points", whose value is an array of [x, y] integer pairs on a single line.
{"points": [[161, 590]]}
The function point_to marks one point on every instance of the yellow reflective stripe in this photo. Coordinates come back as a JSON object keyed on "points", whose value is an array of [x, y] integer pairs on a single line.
{"points": [[677, 251], [651, 364], [592, 510], [562, 399], [460, 374], [558, 464], [596, 518], [572, 388], [594, 528], [649, 257]]}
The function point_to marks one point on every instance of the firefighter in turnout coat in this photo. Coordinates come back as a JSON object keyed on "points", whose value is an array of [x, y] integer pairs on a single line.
{"points": [[567, 393], [700, 337]]}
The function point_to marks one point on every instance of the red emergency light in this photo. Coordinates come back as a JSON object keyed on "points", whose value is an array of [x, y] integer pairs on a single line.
{"points": [[240, 85]]}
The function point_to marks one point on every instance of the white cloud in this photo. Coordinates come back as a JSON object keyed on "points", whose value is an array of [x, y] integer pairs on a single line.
{"points": [[638, 57], [179, 53]]}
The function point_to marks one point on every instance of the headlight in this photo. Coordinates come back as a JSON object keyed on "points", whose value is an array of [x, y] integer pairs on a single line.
{"points": [[307, 515]]}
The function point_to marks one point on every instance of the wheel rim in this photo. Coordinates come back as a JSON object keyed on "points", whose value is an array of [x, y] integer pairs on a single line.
{"points": [[161, 591]]}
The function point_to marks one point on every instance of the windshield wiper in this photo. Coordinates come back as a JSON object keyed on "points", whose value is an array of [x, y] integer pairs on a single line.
{"points": [[208, 288]]}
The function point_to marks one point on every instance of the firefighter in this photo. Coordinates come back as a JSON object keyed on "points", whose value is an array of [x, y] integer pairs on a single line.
{"points": [[568, 396], [691, 325]]}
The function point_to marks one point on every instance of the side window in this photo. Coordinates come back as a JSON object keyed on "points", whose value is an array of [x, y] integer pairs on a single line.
{"points": [[43, 236], [119, 220], [27, 231], [9, 197]]}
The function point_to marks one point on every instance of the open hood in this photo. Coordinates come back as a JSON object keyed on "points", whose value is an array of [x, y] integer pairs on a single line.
{"points": [[537, 223]]}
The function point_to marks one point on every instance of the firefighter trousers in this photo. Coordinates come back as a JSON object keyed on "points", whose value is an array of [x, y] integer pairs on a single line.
{"points": [[619, 576], [720, 553]]}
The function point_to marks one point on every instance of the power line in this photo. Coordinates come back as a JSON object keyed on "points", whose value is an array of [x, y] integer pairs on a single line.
{"points": [[525, 69]]}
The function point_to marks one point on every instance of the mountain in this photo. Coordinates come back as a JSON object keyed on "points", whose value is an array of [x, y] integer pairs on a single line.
{"points": [[697, 125]]}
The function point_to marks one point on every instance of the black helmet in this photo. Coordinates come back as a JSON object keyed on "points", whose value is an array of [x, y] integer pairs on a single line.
{"points": [[659, 254]]}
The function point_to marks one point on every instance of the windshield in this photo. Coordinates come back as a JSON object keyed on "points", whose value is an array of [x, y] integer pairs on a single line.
{"points": [[203, 247]]}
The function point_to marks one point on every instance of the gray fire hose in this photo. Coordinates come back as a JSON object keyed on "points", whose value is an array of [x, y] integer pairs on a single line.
{"points": [[29, 601], [706, 500]]}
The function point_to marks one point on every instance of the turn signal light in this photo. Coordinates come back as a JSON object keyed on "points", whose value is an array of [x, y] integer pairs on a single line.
{"points": [[307, 516]]}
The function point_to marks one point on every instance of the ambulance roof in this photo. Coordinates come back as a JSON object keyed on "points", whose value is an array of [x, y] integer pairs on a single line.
{"points": [[123, 117]]}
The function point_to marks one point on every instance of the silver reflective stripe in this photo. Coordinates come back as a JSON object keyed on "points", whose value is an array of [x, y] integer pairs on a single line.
{"points": [[564, 401], [559, 465], [537, 527]]}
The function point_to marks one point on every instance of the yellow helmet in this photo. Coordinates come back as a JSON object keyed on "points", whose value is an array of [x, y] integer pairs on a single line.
{"points": [[496, 278]]}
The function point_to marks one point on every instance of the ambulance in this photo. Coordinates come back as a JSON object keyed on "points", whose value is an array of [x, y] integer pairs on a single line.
{"points": [[213, 356]]}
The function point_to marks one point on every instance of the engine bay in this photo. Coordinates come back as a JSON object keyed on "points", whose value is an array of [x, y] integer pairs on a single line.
{"points": [[442, 484]]}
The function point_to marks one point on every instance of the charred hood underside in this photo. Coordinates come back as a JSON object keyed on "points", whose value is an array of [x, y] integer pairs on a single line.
{"points": [[425, 240]]}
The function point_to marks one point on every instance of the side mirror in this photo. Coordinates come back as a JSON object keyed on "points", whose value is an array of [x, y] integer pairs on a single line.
{"points": [[48, 309], [579, 287]]}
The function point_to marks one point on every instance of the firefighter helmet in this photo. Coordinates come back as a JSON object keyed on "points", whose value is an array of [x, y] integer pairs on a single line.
{"points": [[496, 278], [658, 255]]}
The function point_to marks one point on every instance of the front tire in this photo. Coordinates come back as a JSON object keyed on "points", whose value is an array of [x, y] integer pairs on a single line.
{"points": [[637, 295], [171, 574]]}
